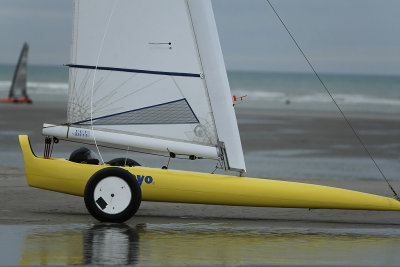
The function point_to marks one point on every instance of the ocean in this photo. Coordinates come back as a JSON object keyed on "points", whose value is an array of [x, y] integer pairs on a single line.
{"points": [[267, 90], [353, 93]]}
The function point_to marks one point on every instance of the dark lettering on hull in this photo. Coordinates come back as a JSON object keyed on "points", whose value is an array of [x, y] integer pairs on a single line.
{"points": [[143, 178]]}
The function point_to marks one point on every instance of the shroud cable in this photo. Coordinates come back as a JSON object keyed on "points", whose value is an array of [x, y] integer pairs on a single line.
{"points": [[334, 101]]}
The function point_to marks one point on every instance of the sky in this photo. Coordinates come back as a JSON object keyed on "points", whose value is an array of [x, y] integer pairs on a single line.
{"points": [[338, 36]]}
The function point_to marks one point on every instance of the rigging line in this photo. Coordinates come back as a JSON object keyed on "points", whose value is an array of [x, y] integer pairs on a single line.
{"points": [[336, 104], [94, 76], [77, 93], [136, 91], [103, 101], [96, 87], [177, 86], [126, 156]]}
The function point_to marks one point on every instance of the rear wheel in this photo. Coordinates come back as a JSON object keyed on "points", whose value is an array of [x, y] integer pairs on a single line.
{"points": [[112, 195]]}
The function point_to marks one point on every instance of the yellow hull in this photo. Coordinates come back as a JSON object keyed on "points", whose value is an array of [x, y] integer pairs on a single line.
{"points": [[192, 187]]}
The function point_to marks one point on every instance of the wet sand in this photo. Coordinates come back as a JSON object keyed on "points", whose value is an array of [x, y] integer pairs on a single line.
{"points": [[324, 134]]}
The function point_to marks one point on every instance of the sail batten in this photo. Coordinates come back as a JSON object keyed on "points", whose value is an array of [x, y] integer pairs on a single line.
{"points": [[135, 70], [217, 82]]}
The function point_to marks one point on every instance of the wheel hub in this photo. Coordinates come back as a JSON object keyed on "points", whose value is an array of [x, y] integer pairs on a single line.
{"points": [[112, 195]]}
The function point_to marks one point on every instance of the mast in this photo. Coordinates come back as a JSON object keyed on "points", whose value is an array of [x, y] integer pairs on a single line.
{"points": [[212, 60]]}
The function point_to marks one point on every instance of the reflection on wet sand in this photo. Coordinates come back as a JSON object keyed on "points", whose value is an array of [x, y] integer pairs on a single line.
{"points": [[201, 243], [102, 244], [111, 245]]}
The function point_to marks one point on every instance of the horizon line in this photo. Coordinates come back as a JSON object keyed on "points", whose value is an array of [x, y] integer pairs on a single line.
{"points": [[241, 70]]}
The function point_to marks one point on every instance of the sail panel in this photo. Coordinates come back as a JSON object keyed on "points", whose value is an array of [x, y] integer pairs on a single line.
{"points": [[129, 57], [154, 35], [133, 56], [117, 92]]}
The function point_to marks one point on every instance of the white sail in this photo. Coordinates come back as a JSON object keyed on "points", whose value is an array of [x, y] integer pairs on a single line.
{"points": [[152, 70]]}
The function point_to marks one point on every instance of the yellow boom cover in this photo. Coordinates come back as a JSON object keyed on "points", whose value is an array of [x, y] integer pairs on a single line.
{"points": [[192, 187]]}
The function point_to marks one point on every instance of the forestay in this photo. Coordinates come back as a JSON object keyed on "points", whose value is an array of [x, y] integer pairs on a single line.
{"points": [[151, 73]]}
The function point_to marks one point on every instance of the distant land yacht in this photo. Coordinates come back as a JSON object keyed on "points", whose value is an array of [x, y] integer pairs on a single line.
{"points": [[17, 92]]}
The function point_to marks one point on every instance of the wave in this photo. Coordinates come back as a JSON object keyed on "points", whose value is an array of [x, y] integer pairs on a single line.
{"points": [[40, 87], [317, 98], [35, 87]]}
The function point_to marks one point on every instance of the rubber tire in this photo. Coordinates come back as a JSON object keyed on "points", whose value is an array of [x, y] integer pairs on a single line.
{"points": [[132, 207], [121, 162]]}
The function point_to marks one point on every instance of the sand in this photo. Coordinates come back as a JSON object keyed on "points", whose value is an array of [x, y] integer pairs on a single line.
{"points": [[324, 133]]}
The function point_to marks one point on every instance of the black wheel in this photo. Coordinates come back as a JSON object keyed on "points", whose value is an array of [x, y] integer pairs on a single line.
{"points": [[112, 195], [123, 162]]}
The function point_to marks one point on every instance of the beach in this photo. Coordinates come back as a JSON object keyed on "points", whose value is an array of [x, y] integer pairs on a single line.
{"points": [[316, 94], [315, 88], [324, 136], [273, 141]]}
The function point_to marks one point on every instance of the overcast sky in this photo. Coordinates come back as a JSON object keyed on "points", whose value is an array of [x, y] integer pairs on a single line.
{"points": [[338, 36]]}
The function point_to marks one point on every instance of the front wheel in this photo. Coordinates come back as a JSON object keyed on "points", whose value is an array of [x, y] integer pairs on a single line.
{"points": [[112, 195]]}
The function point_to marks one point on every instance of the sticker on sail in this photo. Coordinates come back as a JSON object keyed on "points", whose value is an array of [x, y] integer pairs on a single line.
{"points": [[80, 133]]}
